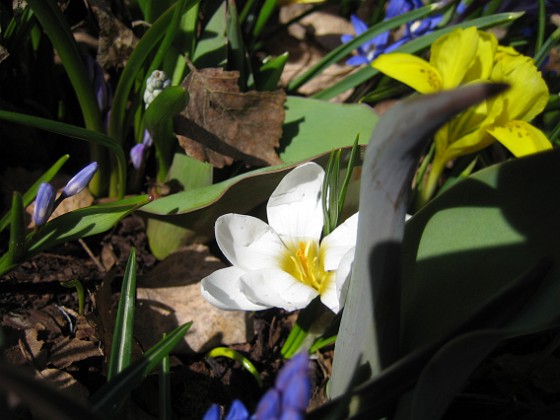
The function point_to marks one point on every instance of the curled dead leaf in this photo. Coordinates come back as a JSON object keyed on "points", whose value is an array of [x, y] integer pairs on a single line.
{"points": [[221, 124]]}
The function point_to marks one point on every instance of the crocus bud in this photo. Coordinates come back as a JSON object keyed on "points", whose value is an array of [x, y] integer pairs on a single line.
{"points": [[80, 180], [44, 204]]}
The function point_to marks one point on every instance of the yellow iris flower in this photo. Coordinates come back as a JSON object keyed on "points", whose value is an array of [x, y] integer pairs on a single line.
{"points": [[467, 56]]}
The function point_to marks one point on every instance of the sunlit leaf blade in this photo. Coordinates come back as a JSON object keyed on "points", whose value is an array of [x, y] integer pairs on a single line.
{"points": [[123, 335], [41, 397], [239, 358], [268, 75], [109, 395], [211, 48], [30, 194], [84, 222]]}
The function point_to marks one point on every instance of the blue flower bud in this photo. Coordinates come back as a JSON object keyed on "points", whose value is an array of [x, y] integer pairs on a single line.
{"points": [[297, 393], [137, 155], [237, 411], [80, 180], [269, 405], [297, 364], [213, 413], [44, 204]]}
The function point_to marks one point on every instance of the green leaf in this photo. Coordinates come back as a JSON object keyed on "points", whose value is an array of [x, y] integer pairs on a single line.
{"points": [[30, 194], [312, 127], [268, 75], [112, 393], [473, 238], [211, 48], [164, 237], [84, 222], [239, 358], [16, 248], [123, 335]]}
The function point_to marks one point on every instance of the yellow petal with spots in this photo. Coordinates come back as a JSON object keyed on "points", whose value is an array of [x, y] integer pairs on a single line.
{"points": [[521, 138], [410, 70]]}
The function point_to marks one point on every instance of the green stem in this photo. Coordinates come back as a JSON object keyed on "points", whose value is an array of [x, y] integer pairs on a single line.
{"points": [[429, 188]]}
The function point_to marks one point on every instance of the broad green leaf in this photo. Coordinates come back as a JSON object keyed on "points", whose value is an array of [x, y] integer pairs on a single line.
{"points": [[112, 393], [84, 222], [312, 127], [123, 335], [30, 194], [473, 239], [211, 48], [164, 237]]}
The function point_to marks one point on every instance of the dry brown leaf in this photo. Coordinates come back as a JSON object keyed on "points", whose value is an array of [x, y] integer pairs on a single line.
{"points": [[170, 295], [221, 124], [66, 351], [63, 381], [116, 41]]}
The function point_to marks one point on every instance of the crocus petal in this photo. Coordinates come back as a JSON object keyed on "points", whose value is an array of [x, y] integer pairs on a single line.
{"points": [[276, 288], [521, 138], [334, 293], [248, 242], [410, 70], [294, 208], [80, 180], [222, 289], [338, 242], [453, 54]]}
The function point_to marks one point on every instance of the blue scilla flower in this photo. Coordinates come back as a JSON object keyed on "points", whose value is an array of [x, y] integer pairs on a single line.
{"points": [[44, 204], [79, 181], [369, 50], [288, 398], [138, 151]]}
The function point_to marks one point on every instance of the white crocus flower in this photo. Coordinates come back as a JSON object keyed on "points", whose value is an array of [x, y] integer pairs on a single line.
{"points": [[284, 263]]}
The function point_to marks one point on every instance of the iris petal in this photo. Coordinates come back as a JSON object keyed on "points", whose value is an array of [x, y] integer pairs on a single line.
{"points": [[521, 138], [410, 70]]}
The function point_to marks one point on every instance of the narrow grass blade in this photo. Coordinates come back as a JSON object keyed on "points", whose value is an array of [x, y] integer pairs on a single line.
{"points": [[112, 393], [121, 347], [165, 411], [238, 357], [16, 248]]}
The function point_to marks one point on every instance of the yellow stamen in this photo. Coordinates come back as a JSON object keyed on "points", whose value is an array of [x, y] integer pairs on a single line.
{"points": [[304, 262]]}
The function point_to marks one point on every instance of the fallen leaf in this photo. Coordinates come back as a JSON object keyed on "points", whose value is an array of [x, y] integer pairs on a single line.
{"points": [[116, 41], [221, 124], [65, 351], [170, 295], [63, 381]]}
